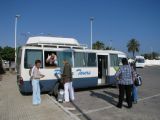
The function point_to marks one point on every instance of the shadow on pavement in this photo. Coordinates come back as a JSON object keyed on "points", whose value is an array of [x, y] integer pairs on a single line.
{"points": [[83, 114], [111, 94], [107, 98]]}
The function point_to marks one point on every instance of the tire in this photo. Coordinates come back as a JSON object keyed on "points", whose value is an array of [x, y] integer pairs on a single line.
{"points": [[56, 88]]}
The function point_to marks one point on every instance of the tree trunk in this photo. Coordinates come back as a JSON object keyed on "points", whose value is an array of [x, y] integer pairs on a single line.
{"points": [[133, 54]]}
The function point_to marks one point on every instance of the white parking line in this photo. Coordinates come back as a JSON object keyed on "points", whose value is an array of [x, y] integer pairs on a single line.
{"points": [[70, 108], [95, 110], [111, 106], [146, 98]]}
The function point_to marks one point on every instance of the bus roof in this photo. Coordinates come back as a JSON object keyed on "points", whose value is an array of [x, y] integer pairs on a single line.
{"points": [[52, 40], [120, 53], [63, 43]]}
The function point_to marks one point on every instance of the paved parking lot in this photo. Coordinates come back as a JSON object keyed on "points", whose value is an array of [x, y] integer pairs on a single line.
{"points": [[100, 104], [95, 104], [14, 106]]}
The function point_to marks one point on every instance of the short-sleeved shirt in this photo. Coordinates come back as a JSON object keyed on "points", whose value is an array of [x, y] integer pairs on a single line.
{"points": [[125, 74], [35, 73]]}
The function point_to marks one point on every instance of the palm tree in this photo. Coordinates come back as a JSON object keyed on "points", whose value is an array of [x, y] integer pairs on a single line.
{"points": [[109, 48], [133, 46], [98, 45]]}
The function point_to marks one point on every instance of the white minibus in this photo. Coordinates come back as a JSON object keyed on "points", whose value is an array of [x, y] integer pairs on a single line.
{"points": [[140, 61], [90, 68]]}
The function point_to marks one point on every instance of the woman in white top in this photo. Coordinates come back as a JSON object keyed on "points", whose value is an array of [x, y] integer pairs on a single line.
{"points": [[35, 77]]}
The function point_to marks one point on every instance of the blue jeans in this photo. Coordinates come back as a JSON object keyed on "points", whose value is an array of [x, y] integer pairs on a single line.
{"points": [[36, 92], [134, 93]]}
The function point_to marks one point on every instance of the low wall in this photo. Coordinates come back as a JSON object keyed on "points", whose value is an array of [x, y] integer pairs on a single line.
{"points": [[152, 62]]}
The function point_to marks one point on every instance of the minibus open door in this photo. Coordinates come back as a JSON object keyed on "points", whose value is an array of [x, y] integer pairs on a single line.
{"points": [[102, 69]]}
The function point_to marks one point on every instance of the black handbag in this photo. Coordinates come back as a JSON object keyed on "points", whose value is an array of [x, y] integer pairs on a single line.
{"points": [[138, 80]]}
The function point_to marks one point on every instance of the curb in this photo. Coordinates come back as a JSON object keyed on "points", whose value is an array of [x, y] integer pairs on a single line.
{"points": [[73, 116]]}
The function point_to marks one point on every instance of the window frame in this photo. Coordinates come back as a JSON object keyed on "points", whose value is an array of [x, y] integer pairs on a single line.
{"points": [[25, 58], [95, 64], [117, 64], [86, 59], [49, 51], [83, 58], [60, 64]]}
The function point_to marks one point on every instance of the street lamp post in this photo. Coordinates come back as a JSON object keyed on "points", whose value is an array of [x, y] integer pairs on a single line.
{"points": [[15, 35], [151, 52], [110, 45], [91, 20]]}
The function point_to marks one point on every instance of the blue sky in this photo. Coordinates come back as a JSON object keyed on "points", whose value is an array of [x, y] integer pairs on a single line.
{"points": [[114, 20]]}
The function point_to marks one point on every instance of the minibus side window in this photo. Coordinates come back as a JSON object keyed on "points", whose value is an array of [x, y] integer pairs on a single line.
{"points": [[114, 60], [79, 59], [51, 59], [120, 61], [19, 56], [91, 59], [64, 56], [31, 56]]}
